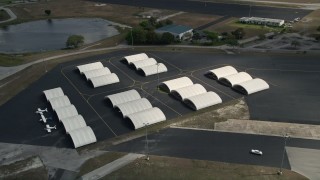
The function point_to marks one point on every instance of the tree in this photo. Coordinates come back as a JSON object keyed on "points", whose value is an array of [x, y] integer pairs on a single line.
{"points": [[318, 29], [167, 38], [239, 33], [213, 36], [295, 43], [152, 37], [48, 12], [168, 22], [138, 36], [74, 41], [153, 21]]}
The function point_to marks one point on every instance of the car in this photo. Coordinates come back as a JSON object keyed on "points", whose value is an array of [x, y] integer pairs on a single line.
{"points": [[256, 152]]}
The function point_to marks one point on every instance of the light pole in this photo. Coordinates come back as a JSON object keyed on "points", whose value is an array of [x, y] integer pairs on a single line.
{"points": [[286, 137], [131, 38], [158, 76], [146, 144]]}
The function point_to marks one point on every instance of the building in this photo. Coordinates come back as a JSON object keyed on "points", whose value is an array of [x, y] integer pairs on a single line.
{"points": [[180, 32], [262, 21]]}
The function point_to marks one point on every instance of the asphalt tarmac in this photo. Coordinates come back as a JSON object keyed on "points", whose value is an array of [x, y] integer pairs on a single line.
{"points": [[293, 95], [215, 146], [222, 9]]}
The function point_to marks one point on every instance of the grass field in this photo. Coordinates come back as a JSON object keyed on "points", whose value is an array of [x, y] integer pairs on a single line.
{"points": [[309, 23], [193, 20], [251, 30], [159, 167]]}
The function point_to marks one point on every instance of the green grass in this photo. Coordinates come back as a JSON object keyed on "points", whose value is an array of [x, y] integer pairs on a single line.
{"points": [[99, 161], [10, 60]]}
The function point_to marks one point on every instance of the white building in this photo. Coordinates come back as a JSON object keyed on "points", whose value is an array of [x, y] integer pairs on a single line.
{"points": [[262, 21]]}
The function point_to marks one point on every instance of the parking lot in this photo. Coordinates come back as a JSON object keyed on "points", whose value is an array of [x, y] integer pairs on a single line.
{"points": [[292, 97]]}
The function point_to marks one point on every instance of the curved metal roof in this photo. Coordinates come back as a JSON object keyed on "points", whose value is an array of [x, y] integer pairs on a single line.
{"points": [[153, 69], [82, 136], [135, 57], [96, 72], [134, 106], [222, 72], [251, 86], [60, 101], [53, 93], [233, 79], [66, 111], [176, 83], [144, 62], [104, 80], [146, 117], [123, 97], [73, 122], [203, 100], [188, 91], [90, 66]]}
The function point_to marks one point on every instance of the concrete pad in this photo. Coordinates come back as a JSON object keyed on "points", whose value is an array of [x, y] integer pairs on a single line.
{"points": [[305, 161]]}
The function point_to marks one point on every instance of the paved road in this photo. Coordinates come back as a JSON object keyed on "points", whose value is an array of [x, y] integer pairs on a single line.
{"points": [[215, 146], [221, 9], [11, 14]]}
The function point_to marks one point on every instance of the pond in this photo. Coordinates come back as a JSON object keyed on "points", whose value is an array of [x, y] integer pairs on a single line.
{"points": [[52, 34]]}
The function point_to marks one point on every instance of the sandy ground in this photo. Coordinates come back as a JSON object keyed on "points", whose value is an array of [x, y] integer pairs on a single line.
{"points": [[270, 128]]}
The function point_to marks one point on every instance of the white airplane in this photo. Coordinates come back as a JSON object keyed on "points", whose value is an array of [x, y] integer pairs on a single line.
{"points": [[43, 118], [49, 128], [40, 111]]}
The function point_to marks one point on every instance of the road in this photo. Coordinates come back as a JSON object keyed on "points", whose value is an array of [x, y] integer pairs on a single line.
{"points": [[216, 146]]}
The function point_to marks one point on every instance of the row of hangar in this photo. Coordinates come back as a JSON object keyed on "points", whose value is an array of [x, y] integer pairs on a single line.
{"points": [[73, 122], [99, 75], [240, 81]]}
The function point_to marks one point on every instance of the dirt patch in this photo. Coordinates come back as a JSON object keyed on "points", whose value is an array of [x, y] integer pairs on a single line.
{"points": [[160, 167], [308, 24], [193, 20], [206, 120], [30, 168], [270, 128]]}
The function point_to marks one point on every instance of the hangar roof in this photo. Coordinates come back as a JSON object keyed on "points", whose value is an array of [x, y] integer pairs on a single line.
{"points": [[73, 122], [144, 62], [203, 100], [148, 116], [60, 101], [177, 83], [104, 80], [135, 57], [233, 79], [82, 136], [96, 72], [134, 106], [154, 69], [188, 91], [123, 97], [222, 72], [252, 86], [90, 66], [53, 93], [66, 111]]}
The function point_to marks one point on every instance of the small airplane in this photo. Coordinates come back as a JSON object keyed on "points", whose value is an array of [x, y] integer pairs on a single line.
{"points": [[50, 128], [40, 111], [43, 118]]}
